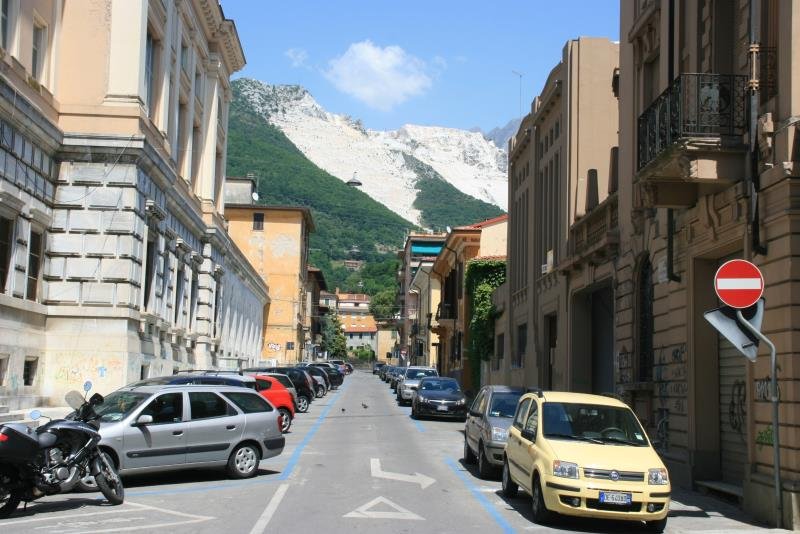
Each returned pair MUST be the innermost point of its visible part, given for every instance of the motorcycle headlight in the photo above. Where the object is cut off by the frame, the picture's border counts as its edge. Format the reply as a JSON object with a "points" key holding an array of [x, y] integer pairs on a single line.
{"points": [[565, 469], [657, 477], [499, 434]]}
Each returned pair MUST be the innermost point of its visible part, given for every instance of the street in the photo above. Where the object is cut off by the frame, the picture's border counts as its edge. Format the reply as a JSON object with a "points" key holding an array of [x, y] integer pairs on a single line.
{"points": [[355, 463]]}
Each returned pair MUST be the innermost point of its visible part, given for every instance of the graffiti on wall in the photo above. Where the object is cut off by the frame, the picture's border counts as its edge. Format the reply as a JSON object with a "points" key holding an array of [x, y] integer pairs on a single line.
{"points": [[274, 347], [737, 406], [763, 387]]}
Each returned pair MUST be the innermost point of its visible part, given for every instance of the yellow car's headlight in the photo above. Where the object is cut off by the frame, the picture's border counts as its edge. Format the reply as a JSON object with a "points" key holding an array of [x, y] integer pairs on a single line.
{"points": [[657, 477], [565, 469]]}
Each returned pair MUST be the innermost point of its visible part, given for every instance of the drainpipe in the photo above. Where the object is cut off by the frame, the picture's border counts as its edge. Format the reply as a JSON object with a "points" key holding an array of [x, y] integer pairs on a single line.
{"points": [[672, 276], [753, 181]]}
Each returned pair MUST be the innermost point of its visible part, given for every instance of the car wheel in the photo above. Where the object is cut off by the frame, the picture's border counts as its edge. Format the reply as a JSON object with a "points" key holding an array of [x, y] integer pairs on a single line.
{"points": [[286, 419], [485, 469], [656, 526], [320, 391], [243, 462], [469, 456], [541, 515], [302, 404], [510, 487]]}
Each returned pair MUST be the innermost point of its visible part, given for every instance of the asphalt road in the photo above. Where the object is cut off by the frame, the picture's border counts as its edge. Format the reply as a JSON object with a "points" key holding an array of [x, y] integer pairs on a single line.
{"points": [[346, 468]]}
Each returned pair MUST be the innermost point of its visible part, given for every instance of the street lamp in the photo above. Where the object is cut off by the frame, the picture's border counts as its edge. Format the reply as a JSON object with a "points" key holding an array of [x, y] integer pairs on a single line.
{"points": [[354, 181]]}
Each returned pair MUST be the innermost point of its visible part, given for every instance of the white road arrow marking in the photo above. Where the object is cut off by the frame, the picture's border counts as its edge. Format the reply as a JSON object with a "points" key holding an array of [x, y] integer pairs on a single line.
{"points": [[416, 478], [364, 512]]}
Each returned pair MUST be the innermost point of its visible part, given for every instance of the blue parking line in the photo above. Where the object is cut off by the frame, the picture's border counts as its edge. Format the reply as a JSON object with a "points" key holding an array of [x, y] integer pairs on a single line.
{"points": [[287, 471], [262, 480], [480, 497], [418, 425]]}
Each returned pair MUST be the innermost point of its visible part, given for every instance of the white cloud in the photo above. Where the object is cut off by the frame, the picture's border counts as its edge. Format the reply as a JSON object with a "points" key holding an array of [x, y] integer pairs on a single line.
{"points": [[297, 56], [382, 78]]}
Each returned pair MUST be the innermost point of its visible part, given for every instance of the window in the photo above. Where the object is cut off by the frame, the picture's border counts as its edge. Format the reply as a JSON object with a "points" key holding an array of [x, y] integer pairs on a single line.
{"points": [[29, 371], [179, 292], [522, 409], [144, 371], [198, 85], [478, 400], [149, 72], [5, 23], [249, 403], [263, 385], [532, 422], [557, 128], [645, 320], [522, 344], [206, 405], [184, 58], [34, 264], [6, 240], [193, 299], [258, 221], [165, 409], [149, 271], [39, 51], [3, 368]]}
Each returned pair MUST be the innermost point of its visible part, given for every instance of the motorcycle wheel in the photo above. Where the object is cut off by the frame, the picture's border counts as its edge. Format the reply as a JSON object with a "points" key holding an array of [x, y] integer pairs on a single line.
{"points": [[9, 499], [108, 481]]}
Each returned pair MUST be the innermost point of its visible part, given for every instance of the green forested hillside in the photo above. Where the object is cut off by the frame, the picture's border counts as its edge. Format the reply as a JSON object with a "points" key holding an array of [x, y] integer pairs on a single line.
{"points": [[343, 216]]}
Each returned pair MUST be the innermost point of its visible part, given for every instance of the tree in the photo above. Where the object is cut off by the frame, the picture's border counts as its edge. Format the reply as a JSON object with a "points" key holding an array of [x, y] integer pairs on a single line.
{"points": [[333, 340], [382, 305]]}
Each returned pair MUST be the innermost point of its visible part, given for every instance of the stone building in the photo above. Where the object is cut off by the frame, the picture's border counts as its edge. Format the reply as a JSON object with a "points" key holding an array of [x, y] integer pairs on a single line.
{"points": [[699, 183], [115, 263], [424, 341], [561, 164]]}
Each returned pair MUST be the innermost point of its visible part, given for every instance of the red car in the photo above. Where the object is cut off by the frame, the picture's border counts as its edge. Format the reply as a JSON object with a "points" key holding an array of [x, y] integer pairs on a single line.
{"points": [[272, 390]]}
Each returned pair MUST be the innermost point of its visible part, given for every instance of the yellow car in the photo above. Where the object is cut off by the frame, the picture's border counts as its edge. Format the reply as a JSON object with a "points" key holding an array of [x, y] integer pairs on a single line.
{"points": [[584, 455]]}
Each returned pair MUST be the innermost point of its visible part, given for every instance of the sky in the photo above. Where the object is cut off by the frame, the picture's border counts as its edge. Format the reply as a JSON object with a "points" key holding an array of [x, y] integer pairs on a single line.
{"points": [[431, 62]]}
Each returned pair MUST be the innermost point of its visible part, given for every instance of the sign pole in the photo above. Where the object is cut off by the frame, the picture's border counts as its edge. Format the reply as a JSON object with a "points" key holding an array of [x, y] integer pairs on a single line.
{"points": [[776, 446]]}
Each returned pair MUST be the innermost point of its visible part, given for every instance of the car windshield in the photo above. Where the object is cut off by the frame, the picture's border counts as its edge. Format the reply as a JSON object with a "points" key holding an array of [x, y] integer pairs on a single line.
{"points": [[504, 404], [596, 422], [430, 384], [117, 405], [416, 374], [284, 380]]}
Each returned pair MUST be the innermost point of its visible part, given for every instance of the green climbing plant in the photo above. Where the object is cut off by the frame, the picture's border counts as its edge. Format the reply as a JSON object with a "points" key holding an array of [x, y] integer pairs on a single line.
{"points": [[480, 280]]}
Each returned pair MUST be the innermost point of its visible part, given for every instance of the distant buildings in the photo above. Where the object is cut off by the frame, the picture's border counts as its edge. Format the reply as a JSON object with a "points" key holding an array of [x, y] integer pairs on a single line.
{"points": [[115, 263], [358, 324], [275, 240]]}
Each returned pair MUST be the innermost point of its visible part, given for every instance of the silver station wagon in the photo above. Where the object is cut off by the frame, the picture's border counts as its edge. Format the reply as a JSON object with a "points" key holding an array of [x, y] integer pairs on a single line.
{"points": [[164, 427]]}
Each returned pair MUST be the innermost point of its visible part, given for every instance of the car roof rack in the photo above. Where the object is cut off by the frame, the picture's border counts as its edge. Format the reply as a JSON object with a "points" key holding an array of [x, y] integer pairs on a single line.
{"points": [[538, 391]]}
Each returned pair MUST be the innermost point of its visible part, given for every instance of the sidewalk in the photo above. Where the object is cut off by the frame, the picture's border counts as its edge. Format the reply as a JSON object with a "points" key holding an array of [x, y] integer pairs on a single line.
{"points": [[691, 511]]}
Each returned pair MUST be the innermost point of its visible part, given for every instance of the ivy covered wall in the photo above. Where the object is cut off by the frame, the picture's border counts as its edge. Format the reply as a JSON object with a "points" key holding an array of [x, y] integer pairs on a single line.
{"points": [[480, 280]]}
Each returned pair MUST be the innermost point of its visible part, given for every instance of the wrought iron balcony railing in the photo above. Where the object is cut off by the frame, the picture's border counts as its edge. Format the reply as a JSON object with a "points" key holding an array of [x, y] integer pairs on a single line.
{"points": [[694, 105], [445, 311]]}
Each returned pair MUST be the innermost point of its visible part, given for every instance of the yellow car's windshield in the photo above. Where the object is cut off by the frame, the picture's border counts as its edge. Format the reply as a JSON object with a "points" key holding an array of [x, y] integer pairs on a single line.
{"points": [[592, 422]]}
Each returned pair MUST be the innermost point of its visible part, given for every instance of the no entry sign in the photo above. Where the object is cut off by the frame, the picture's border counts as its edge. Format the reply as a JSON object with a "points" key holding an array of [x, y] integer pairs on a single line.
{"points": [[739, 283]]}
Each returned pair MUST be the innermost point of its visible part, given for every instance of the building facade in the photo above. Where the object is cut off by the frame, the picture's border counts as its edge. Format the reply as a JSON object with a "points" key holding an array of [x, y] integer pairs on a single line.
{"points": [[115, 263], [359, 326], [275, 240], [312, 326], [708, 172], [425, 342], [419, 250]]}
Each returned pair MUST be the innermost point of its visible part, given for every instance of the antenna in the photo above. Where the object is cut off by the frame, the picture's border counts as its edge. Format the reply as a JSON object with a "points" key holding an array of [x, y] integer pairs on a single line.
{"points": [[520, 90]]}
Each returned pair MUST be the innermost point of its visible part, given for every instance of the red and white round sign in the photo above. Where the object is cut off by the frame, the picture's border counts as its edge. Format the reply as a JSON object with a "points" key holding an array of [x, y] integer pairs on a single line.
{"points": [[739, 283]]}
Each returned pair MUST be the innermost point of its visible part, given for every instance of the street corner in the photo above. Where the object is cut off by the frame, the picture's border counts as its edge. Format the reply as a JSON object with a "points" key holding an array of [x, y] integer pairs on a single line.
{"points": [[77, 515]]}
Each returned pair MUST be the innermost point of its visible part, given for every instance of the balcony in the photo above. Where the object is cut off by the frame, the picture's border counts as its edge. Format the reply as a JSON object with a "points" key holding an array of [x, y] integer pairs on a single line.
{"points": [[594, 238], [690, 140], [445, 318]]}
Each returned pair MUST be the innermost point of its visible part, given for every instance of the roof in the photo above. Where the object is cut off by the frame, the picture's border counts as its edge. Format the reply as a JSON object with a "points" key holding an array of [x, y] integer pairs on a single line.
{"points": [[357, 323], [317, 273], [360, 297], [487, 222], [502, 257], [586, 398], [306, 211]]}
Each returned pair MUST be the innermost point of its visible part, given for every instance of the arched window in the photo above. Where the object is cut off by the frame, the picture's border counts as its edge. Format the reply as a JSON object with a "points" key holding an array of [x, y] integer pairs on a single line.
{"points": [[644, 317]]}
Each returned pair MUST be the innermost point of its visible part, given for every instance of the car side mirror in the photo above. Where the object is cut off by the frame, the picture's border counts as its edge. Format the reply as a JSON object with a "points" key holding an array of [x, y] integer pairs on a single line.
{"points": [[530, 435], [144, 420], [96, 399], [475, 413]]}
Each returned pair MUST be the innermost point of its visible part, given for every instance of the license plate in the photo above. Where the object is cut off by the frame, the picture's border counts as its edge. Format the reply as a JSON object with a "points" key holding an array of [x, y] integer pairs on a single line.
{"points": [[441, 408], [609, 497]]}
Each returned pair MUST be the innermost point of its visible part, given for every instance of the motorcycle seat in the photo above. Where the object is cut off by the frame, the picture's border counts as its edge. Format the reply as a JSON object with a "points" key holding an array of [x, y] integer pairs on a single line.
{"points": [[46, 439]]}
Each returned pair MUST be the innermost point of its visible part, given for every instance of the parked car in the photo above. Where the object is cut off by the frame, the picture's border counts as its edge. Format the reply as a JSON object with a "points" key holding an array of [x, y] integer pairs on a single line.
{"points": [[286, 382], [340, 365], [221, 378], [213, 426], [349, 367], [584, 455], [487, 425], [383, 371], [409, 381], [436, 396], [323, 383], [271, 389], [376, 367], [302, 381], [336, 377], [387, 373], [394, 378]]}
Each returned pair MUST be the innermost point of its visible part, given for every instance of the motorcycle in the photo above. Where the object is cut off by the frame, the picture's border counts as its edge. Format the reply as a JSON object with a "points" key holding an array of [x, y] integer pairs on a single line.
{"points": [[56, 456]]}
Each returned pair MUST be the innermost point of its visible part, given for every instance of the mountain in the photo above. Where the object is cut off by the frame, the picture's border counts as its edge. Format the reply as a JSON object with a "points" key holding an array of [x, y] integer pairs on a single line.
{"points": [[343, 216], [431, 176], [500, 136]]}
